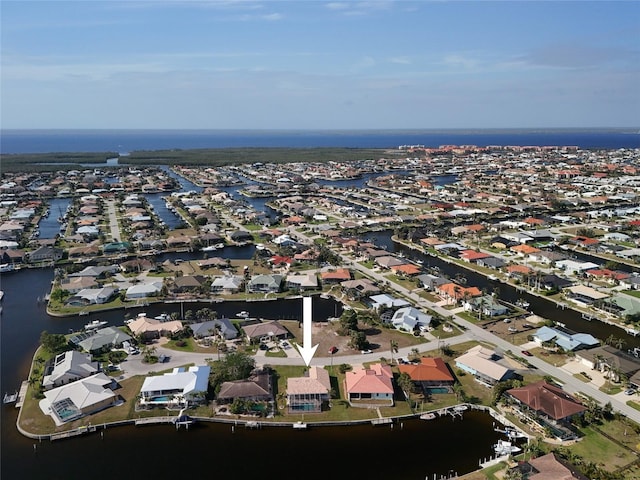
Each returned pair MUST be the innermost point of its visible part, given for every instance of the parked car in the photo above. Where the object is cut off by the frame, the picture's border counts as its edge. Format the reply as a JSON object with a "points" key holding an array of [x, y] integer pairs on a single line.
{"points": [[333, 350], [527, 353], [630, 391], [366, 351]]}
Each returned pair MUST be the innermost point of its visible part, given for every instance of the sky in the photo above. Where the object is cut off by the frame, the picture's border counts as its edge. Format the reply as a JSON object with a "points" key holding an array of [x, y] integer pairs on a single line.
{"points": [[307, 64]]}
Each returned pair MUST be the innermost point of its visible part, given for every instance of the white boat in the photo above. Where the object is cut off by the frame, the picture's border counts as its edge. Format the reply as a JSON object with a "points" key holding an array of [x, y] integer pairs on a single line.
{"points": [[522, 303], [492, 277], [505, 448], [428, 416], [460, 408], [300, 425], [210, 248], [95, 324], [6, 267], [243, 314], [259, 246], [219, 245], [1, 295]]}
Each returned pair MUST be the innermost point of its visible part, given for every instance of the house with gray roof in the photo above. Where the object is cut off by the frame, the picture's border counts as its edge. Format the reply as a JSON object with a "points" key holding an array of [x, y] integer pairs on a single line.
{"points": [[410, 319], [227, 284], [265, 283], [102, 339], [569, 342], [385, 300], [68, 367], [210, 327]]}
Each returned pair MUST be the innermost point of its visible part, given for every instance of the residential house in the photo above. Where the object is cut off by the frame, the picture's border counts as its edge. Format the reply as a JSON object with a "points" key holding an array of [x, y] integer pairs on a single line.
{"points": [[365, 386], [310, 393], [75, 400], [482, 363], [409, 319], [143, 290], [153, 328], [432, 282], [92, 296], [256, 388], [265, 283], [386, 301], [569, 342], [221, 326], [265, 332], [547, 467], [180, 387], [429, 373], [68, 367], [302, 281], [546, 405], [227, 284], [100, 340], [607, 358], [188, 283], [75, 284], [359, 288], [583, 295], [45, 254], [454, 293], [333, 276], [488, 305]]}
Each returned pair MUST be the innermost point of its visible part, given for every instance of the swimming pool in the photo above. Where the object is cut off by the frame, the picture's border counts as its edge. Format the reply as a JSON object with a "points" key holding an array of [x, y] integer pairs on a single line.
{"points": [[436, 390]]}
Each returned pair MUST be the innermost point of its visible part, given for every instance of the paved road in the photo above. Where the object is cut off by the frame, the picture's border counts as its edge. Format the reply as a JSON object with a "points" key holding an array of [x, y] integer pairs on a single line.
{"points": [[113, 221], [134, 365]]}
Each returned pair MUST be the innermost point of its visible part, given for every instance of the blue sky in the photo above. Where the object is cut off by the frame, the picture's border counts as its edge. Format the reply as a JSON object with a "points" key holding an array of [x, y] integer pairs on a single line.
{"points": [[309, 64]]}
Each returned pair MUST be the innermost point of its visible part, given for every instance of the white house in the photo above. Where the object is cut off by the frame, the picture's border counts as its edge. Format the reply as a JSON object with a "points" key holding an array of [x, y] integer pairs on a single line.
{"points": [[410, 319], [177, 388], [143, 290], [68, 367]]}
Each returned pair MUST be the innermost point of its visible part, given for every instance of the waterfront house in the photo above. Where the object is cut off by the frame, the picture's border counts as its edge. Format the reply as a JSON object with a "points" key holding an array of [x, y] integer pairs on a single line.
{"points": [[546, 467], [310, 393], [68, 367], [75, 284], [257, 388], [409, 319], [115, 247], [220, 326], [575, 267], [265, 283], [584, 296], [372, 385], [100, 340], [143, 290], [187, 283], [302, 281], [487, 305], [429, 373], [482, 363], [92, 296], [178, 388], [264, 332], [359, 288], [432, 282], [454, 293], [45, 254], [77, 399], [546, 405], [96, 272], [227, 284], [146, 327]]}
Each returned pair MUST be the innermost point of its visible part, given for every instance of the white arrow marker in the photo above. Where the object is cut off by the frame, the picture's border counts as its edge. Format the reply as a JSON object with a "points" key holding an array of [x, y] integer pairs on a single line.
{"points": [[306, 350]]}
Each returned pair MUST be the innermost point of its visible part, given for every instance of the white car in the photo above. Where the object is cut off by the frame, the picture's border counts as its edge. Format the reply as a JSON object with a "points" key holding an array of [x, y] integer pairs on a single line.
{"points": [[365, 352]]}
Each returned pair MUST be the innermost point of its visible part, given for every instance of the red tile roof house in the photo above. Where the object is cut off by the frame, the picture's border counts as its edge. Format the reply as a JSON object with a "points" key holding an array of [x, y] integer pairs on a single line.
{"points": [[430, 372], [369, 386], [335, 276], [547, 405], [472, 256]]}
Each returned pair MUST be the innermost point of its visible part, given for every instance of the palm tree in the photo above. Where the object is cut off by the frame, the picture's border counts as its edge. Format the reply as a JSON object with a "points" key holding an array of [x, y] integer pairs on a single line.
{"points": [[394, 348]]}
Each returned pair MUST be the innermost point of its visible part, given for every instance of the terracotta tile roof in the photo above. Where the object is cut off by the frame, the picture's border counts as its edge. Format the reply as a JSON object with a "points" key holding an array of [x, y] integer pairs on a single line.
{"points": [[547, 399], [430, 369]]}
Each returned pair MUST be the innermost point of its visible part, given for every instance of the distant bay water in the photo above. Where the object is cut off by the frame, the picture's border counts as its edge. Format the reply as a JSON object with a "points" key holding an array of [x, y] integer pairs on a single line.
{"points": [[122, 141]]}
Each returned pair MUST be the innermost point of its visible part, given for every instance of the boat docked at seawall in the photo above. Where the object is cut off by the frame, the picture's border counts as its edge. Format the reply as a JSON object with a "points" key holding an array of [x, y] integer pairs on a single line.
{"points": [[1, 295], [7, 267], [428, 416], [95, 324], [505, 448], [243, 314]]}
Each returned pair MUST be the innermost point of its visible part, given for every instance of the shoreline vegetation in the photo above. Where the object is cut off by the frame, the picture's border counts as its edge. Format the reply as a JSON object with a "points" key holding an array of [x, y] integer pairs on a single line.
{"points": [[192, 157]]}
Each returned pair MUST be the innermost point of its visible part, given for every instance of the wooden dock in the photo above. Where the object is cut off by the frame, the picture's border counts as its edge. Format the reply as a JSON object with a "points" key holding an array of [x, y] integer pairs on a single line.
{"points": [[154, 420]]}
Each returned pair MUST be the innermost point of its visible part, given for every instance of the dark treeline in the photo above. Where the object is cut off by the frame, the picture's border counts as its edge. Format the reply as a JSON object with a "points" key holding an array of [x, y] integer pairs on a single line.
{"points": [[212, 157]]}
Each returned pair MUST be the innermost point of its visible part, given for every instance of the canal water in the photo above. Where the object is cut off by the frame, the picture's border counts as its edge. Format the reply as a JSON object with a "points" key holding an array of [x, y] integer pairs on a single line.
{"points": [[538, 305], [437, 447]]}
